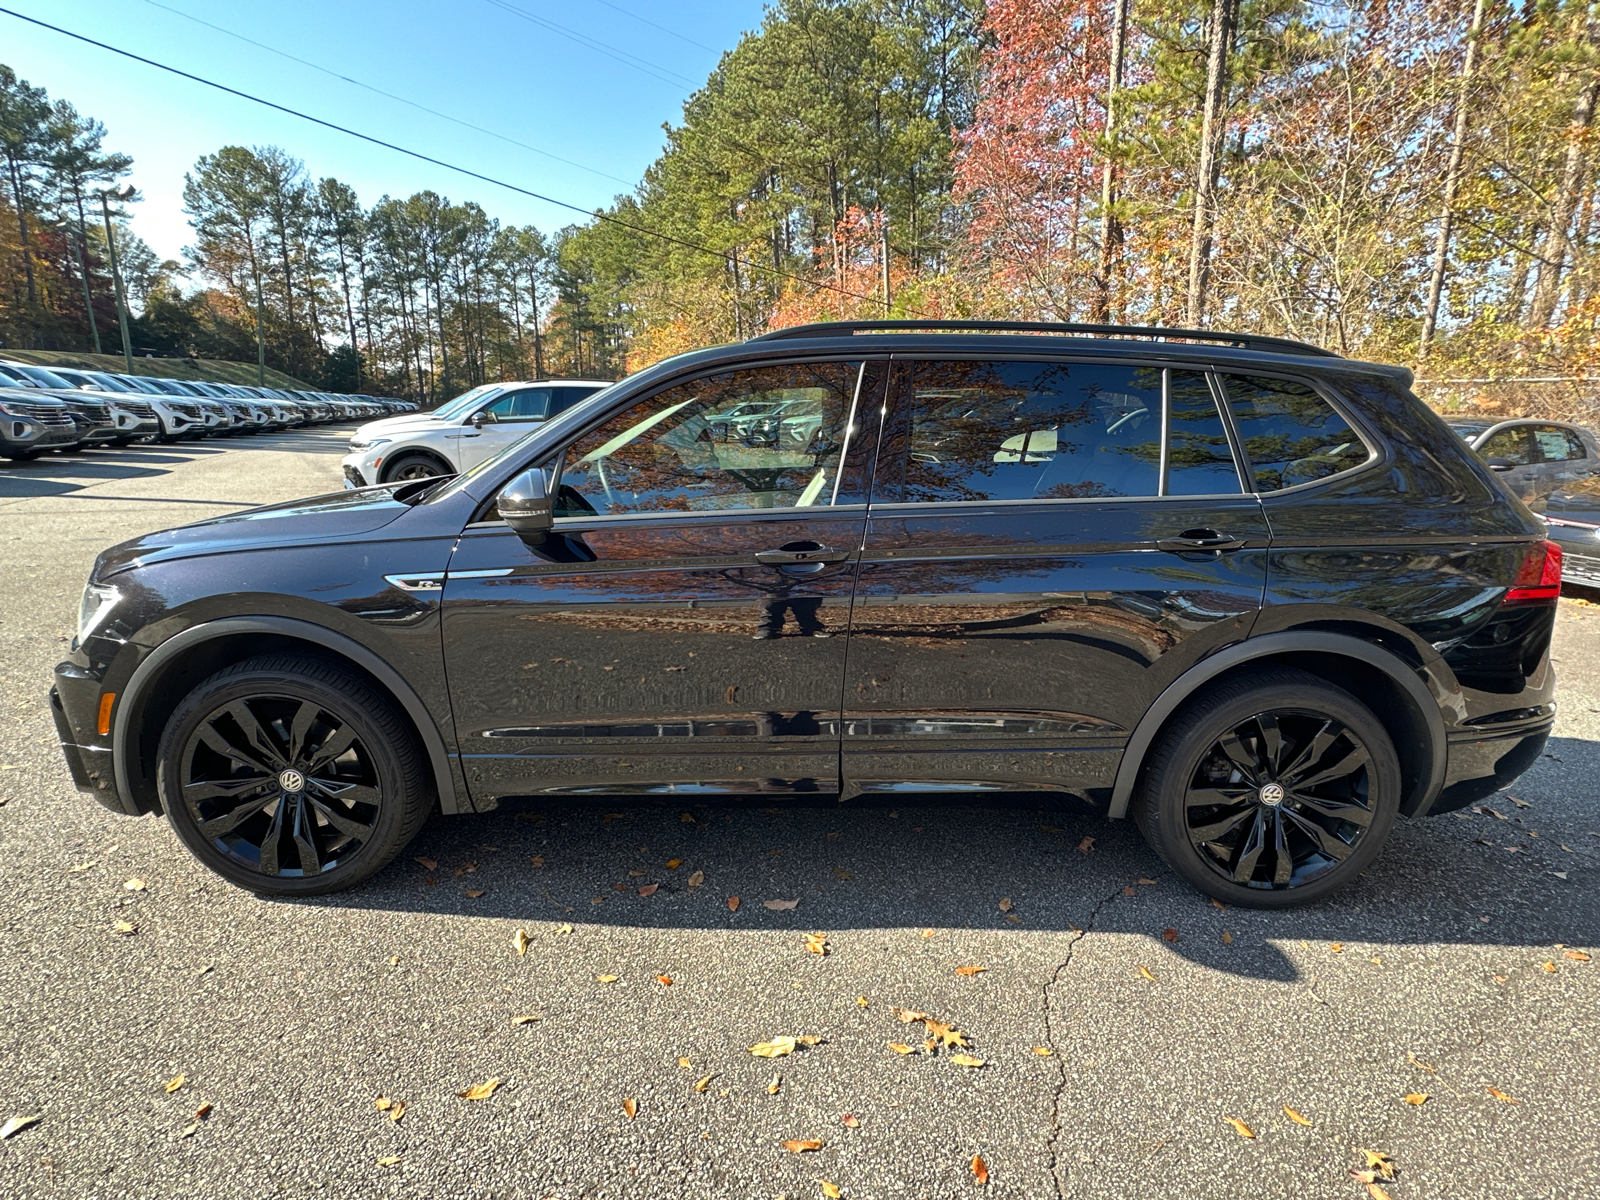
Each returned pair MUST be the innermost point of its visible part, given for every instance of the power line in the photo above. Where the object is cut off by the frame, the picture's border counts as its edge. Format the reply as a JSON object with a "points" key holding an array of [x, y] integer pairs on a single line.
{"points": [[670, 32], [387, 95], [439, 162], [599, 47]]}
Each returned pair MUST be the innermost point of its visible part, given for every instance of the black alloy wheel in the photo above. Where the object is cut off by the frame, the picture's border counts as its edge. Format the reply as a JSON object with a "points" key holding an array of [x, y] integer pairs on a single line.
{"points": [[1270, 789], [291, 777], [410, 467], [1281, 798]]}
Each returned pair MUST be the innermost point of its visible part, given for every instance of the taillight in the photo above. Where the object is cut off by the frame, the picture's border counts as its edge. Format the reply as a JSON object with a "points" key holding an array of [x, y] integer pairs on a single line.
{"points": [[1539, 578]]}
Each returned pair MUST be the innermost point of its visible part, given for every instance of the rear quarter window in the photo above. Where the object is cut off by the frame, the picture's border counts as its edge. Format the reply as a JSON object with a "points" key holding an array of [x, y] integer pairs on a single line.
{"points": [[1290, 433]]}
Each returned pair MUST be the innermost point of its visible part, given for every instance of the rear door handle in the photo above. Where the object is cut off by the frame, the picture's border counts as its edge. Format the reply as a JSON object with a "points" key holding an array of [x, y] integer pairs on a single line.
{"points": [[800, 554], [1200, 541]]}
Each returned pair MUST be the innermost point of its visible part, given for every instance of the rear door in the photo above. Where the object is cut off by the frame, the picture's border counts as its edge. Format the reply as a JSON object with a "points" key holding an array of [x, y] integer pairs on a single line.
{"points": [[1050, 543], [1563, 459], [1513, 447], [683, 628]]}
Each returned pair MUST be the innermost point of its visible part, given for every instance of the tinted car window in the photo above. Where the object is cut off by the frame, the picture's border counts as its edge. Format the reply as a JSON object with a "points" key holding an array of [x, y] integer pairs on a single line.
{"points": [[983, 431], [1557, 444], [1199, 461], [1509, 444], [660, 455], [1291, 434], [564, 398], [528, 404]]}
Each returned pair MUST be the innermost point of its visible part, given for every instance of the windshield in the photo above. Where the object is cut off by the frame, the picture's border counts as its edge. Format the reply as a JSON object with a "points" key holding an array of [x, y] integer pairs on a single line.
{"points": [[106, 383], [48, 378], [454, 408]]}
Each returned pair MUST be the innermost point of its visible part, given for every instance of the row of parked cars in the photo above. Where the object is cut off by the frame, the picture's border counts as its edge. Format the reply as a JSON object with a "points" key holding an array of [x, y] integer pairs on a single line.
{"points": [[66, 409]]}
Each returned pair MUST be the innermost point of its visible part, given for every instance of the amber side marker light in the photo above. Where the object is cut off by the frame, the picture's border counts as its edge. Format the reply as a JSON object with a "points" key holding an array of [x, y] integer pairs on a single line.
{"points": [[1539, 578], [106, 701]]}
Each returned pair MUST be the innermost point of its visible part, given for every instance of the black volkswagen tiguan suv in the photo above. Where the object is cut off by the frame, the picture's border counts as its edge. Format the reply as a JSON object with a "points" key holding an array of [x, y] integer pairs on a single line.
{"points": [[1248, 592]]}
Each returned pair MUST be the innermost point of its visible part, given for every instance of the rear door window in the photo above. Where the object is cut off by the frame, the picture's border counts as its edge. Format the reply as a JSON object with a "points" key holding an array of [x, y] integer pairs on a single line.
{"points": [[1557, 444], [1290, 434]]}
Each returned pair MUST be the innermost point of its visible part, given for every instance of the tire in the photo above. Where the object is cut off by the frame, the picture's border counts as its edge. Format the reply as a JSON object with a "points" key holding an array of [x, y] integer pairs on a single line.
{"points": [[356, 811], [1192, 786], [414, 466], [23, 455]]}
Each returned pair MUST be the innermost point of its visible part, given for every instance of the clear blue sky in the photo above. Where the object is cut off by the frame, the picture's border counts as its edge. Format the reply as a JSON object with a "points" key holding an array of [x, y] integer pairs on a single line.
{"points": [[477, 60]]}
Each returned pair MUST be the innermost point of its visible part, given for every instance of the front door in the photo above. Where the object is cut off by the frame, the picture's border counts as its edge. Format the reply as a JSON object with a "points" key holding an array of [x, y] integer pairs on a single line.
{"points": [[683, 628], [506, 419], [1050, 544]]}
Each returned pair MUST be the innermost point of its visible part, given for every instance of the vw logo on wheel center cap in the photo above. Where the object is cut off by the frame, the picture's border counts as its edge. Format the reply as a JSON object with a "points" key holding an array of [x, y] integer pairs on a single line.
{"points": [[1271, 793], [291, 780]]}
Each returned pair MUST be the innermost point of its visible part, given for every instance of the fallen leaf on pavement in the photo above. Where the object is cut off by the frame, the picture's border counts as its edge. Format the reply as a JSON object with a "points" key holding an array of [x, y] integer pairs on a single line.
{"points": [[125, 928], [945, 1035], [480, 1091], [901, 1048], [908, 1015], [810, 1039], [966, 1060], [1005, 904], [1145, 971], [524, 1020], [1086, 845], [772, 1087], [520, 941], [1519, 803], [1548, 968], [1297, 1118], [631, 1107], [1379, 1166], [1240, 1127], [383, 1104], [779, 905], [733, 904], [1169, 934], [799, 1146], [927, 933], [177, 1082], [1418, 1098], [134, 885], [686, 818], [980, 1171], [817, 943], [429, 863], [704, 1082], [696, 880], [1128, 891], [841, 873], [1417, 1062], [1577, 956], [850, 1120], [1043, 1051], [862, 1002], [397, 1110], [1219, 904], [474, 893], [1336, 947], [389, 1160], [1501, 1096], [971, 970], [776, 1048], [1143, 880], [649, 889], [201, 1113], [1227, 938], [664, 980], [606, 978], [537, 860], [16, 1125], [674, 863], [830, 1190]]}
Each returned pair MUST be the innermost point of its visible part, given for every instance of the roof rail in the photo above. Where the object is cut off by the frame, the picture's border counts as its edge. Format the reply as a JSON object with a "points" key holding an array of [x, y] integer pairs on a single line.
{"points": [[1247, 341]]}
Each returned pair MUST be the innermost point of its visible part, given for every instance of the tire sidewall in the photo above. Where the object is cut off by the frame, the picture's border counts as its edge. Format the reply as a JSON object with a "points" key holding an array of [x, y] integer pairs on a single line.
{"points": [[1164, 816], [212, 695]]}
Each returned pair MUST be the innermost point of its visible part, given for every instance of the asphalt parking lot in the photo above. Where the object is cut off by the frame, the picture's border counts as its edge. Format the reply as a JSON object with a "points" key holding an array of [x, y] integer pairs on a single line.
{"points": [[1121, 1018]]}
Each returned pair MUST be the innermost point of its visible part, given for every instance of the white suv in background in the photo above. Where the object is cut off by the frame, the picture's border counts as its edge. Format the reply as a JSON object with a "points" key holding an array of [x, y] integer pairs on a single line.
{"points": [[460, 434]]}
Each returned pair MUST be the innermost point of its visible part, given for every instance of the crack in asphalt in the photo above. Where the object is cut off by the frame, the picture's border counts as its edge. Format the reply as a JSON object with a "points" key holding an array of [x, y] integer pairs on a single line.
{"points": [[1050, 1035]]}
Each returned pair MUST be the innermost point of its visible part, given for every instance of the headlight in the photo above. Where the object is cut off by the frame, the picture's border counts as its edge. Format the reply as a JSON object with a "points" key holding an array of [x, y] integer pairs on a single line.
{"points": [[360, 444], [96, 605]]}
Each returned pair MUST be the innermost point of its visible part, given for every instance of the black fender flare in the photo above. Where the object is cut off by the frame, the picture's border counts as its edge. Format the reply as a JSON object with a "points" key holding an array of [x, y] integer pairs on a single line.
{"points": [[1267, 646], [132, 693]]}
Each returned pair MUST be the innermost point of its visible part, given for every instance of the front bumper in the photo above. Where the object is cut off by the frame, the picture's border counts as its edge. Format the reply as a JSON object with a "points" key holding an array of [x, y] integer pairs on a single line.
{"points": [[360, 469], [75, 704]]}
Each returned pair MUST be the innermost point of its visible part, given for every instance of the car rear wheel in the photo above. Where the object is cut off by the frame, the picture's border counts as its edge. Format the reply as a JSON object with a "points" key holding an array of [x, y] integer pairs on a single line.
{"points": [[409, 467], [291, 777], [1270, 790]]}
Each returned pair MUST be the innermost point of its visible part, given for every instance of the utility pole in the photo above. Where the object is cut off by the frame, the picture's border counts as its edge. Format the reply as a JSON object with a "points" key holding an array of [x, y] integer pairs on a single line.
{"points": [[116, 272], [1452, 181]]}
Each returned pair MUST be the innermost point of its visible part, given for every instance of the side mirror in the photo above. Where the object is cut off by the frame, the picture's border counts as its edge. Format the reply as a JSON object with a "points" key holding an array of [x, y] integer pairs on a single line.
{"points": [[1500, 464], [525, 505], [480, 419]]}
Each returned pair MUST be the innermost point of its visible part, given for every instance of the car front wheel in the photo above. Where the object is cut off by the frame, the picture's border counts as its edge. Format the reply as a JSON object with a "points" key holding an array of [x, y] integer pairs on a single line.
{"points": [[409, 467], [1271, 789], [290, 776]]}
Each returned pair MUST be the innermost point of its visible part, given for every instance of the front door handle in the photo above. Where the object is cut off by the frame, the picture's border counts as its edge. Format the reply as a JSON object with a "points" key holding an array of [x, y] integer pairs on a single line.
{"points": [[800, 554], [1199, 541]]}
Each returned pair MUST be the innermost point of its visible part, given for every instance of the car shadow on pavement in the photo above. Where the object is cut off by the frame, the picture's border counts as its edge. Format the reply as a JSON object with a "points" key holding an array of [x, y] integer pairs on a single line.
{"points": [[1017, 864]]}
